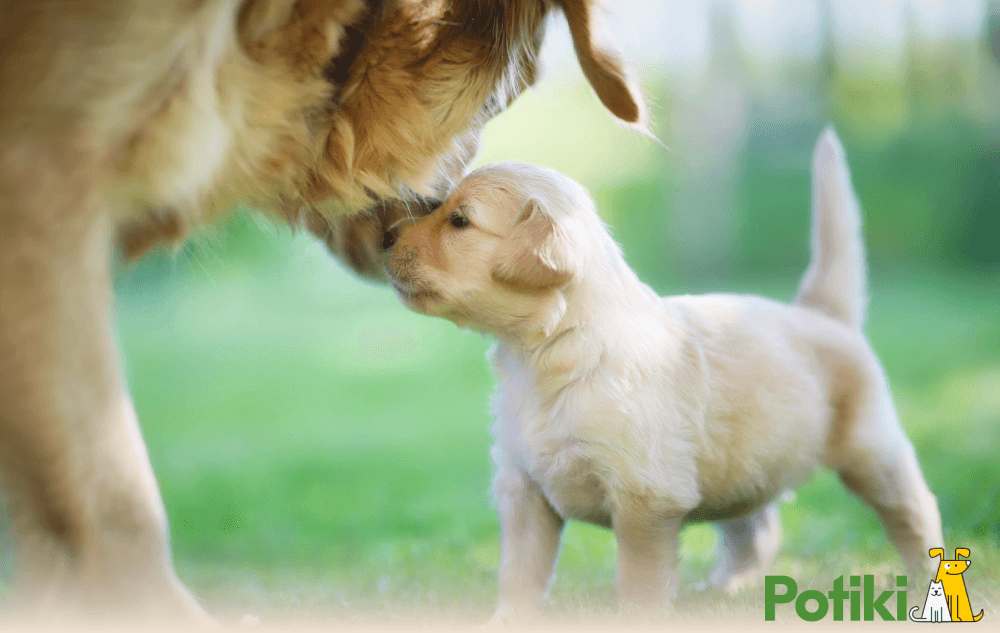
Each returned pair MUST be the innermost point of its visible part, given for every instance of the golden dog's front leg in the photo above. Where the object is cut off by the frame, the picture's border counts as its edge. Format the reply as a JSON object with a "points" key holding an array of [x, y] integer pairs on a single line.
{"points": [[90, 529], [647, 559], [530, 531]]}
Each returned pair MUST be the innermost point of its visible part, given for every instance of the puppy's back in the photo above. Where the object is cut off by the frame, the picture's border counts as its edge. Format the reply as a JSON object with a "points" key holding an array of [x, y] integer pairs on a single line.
{"points": [[772, 371]]}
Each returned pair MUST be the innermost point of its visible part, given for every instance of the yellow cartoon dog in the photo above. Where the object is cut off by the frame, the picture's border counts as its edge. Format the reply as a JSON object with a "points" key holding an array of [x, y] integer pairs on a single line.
{"points": [[950, 575]]}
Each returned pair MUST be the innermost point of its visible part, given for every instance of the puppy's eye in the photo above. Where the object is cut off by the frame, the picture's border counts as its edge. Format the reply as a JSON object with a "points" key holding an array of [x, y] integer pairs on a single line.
{"points": [[458, 220]]}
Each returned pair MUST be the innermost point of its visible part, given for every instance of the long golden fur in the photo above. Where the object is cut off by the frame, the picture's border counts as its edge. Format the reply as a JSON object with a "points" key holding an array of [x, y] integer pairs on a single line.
{"points": [[128, 123]]}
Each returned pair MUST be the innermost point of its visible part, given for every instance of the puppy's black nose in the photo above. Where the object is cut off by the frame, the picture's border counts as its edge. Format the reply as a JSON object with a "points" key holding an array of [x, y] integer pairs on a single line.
{"points": [[389, 238]]}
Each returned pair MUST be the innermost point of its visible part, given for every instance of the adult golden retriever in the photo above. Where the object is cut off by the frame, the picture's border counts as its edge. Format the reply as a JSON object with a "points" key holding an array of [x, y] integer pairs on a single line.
{"points": [[136, 120]]}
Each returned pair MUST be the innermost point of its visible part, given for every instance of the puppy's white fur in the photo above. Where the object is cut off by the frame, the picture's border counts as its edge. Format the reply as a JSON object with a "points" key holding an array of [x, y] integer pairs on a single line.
{"points": [[621, 408]]}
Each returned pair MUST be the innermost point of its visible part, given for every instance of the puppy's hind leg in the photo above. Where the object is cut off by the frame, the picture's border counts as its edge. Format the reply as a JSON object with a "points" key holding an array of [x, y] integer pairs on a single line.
{"points": [[747, 548], [876, 462], [647, 562]]}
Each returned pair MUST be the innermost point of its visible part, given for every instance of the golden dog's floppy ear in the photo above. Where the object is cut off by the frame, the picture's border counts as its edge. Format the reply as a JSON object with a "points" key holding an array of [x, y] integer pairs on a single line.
{"points": [[536, 254], [961, 551], [257, 18], [937, 552], [301, 34], [604, 69]]}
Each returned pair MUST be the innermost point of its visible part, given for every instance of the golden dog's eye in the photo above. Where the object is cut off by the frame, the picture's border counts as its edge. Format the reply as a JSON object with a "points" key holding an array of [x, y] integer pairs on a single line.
{"points": [[458, 220]]}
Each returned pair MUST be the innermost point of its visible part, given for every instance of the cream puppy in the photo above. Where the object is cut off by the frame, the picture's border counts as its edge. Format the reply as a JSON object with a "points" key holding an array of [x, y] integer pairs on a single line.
{"points": [[640, 413]]}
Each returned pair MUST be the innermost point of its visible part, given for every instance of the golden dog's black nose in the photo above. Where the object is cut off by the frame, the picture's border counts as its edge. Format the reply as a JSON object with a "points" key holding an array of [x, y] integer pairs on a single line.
{"points": [[389, 238]]}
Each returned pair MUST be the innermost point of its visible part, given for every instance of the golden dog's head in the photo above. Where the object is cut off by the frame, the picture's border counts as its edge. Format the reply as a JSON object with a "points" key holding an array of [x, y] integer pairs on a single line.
{"points": [[414, 82], [346, 106], [499, 253], [414, 92]]}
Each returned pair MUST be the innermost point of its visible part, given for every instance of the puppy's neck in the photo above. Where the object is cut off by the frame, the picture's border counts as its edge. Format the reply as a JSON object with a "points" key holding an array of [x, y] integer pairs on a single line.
{"points": [[583, 323]]}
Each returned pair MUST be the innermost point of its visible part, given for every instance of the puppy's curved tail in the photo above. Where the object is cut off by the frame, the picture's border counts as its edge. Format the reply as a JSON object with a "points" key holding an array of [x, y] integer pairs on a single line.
{"points": [[835, 282]]}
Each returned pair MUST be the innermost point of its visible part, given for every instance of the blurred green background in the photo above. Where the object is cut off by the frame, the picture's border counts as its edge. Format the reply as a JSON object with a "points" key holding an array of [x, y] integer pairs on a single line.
{"points": [[323, 452]]}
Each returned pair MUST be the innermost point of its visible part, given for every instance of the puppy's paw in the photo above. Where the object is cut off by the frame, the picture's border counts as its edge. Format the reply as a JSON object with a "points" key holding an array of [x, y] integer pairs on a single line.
{"points": [[733, 576], [249, 621], [509, 617], [735, 582]]}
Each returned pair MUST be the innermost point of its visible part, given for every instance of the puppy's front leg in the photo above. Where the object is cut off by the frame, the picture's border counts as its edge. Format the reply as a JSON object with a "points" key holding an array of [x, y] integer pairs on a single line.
{"points": [[530, 531], [647, 558]]}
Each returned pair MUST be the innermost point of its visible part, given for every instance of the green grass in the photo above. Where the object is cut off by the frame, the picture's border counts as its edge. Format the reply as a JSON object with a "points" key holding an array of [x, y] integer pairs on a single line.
{"points": [[323, 452]]}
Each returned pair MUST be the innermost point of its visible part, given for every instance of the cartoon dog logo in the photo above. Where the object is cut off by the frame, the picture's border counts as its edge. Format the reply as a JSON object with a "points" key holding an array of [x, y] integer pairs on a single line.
{"points": [[947, 598]]}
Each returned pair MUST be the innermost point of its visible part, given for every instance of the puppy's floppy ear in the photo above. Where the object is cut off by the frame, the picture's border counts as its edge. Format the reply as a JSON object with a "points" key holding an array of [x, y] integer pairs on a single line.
{"points": [[604, 69], [537, 254], [937, 552]]}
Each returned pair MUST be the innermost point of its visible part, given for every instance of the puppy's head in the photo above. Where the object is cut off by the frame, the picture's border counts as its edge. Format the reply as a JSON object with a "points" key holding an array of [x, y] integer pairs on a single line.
{"points": [[499, 252]]}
